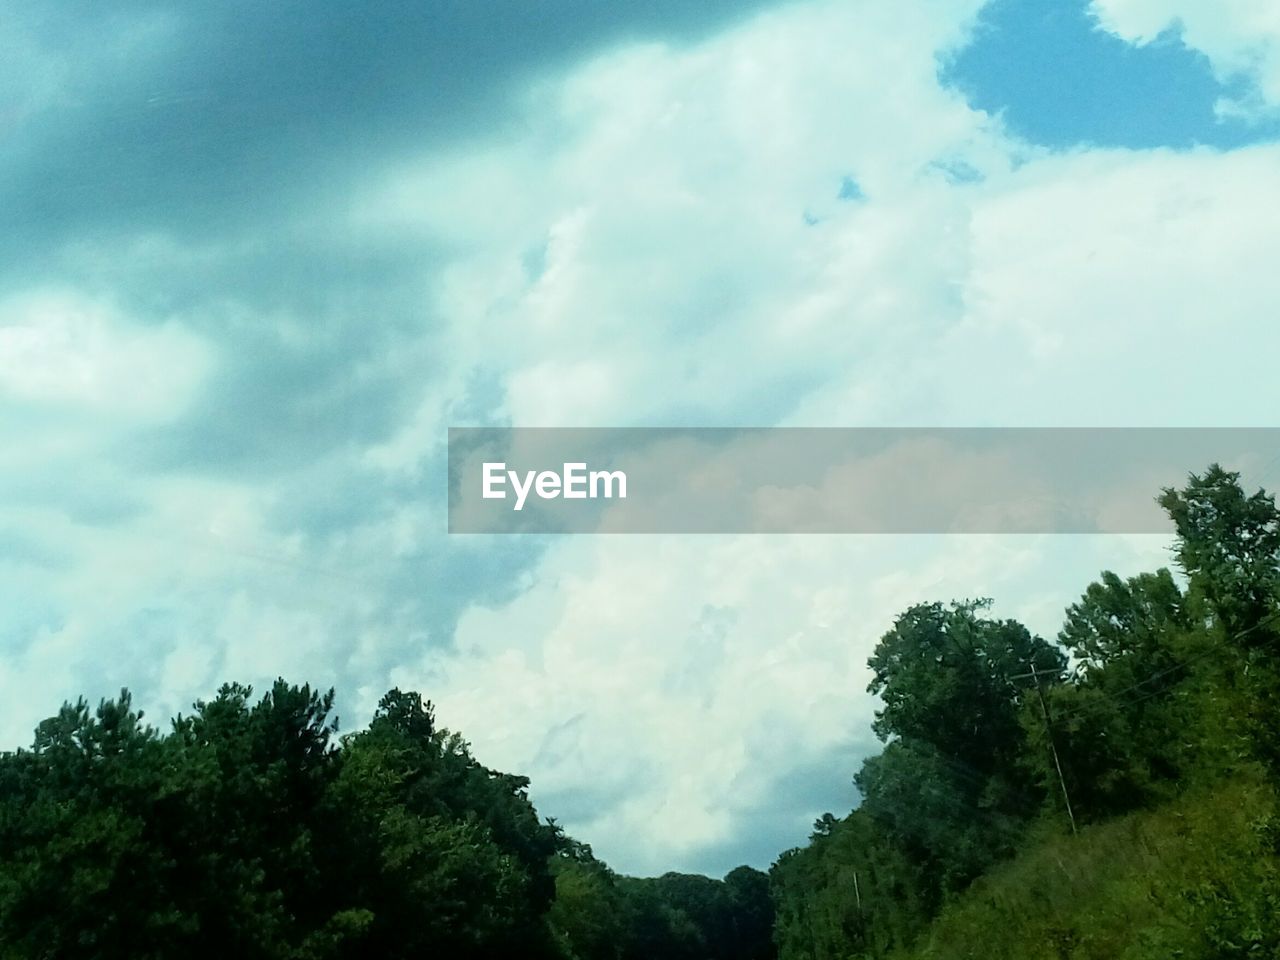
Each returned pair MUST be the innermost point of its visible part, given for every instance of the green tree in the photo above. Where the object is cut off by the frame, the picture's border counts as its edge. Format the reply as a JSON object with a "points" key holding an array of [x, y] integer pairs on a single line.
{"points": [[956, 681], [751, 911], [1132, 642], [250, 831], [1229, 546], [448, 854], [587, 915], [850, 893]]}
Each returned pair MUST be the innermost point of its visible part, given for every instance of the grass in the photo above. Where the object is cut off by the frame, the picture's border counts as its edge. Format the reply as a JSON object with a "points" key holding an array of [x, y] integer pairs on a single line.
{"points": [[1195, 879]]}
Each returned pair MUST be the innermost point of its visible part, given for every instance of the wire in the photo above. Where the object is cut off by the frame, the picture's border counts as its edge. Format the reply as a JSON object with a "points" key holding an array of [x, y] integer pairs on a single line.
{"points": [[1181, 665]]}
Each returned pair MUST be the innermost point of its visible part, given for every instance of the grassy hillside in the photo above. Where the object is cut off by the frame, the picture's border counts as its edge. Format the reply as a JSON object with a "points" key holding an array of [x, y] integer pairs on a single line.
{"points": [[1193, 879], [1157, 712]]}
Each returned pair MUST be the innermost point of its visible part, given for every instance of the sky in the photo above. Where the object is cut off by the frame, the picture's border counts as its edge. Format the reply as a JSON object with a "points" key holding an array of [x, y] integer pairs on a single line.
{"points": [[256, 259]]}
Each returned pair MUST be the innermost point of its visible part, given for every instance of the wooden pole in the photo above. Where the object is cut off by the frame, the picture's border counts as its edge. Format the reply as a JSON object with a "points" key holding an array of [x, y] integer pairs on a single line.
{"points": [[1048, 729]]}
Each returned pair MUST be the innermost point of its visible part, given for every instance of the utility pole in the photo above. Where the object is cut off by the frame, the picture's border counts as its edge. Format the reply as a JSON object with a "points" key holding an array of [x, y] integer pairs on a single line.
{"points": [[1048, 729]]}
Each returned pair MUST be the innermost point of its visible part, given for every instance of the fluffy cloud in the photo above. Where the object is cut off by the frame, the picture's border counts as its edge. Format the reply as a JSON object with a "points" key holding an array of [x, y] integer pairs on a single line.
{"points": [[226, 389], [1240, 37], [664, 692], [668, 195], [665, 270], [56, 350]]}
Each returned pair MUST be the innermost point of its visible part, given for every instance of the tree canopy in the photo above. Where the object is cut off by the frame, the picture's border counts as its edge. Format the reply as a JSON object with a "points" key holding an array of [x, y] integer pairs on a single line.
{"points": [[252, 828]]}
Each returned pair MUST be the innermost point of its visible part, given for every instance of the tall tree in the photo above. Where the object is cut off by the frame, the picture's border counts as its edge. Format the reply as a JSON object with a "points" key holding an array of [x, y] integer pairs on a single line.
{"points": [[955, 680], [1132, 642], [1229, 546]]}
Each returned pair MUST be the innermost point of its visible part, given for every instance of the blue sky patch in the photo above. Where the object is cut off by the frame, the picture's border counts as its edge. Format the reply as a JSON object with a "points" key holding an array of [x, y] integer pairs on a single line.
{"points": [[957, 171], [850, 190], [1061, 81]]}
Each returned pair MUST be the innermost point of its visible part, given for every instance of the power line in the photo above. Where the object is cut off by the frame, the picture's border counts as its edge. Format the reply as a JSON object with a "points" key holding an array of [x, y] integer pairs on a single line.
{"points": [[1181, 665], [1116, 696]]}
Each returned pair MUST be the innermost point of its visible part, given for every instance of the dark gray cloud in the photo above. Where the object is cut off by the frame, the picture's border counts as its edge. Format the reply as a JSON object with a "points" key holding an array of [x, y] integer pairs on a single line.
{"points": [[275, 406], [225, 115], [224, 128]]}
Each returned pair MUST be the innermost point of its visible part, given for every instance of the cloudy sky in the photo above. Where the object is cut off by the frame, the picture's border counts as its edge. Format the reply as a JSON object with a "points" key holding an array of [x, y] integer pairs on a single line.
{"points": [[255, 259]]}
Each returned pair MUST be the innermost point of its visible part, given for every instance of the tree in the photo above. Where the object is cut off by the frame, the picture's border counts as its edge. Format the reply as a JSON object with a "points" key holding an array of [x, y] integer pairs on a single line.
{"points": [[1132, 642], [1229, 546], [751, 909], [1126, 627], [250, 831], [452, 856], [850, 893], [587, 915], [955, 680]]}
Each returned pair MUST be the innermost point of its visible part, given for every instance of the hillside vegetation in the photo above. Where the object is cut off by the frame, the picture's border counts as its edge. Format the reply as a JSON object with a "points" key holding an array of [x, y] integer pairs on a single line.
{"points": [[1194, 878], [1109, 795]]}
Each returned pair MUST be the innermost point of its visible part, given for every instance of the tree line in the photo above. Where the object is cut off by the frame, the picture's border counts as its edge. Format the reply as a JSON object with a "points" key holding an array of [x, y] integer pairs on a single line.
{"points": [[251, 828], [997, 740]]}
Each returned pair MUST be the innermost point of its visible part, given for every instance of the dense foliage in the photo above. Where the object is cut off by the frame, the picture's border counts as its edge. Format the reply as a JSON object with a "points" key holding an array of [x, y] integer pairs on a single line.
{"points": [[251, 830], [1110, 795], [1152, 728]]}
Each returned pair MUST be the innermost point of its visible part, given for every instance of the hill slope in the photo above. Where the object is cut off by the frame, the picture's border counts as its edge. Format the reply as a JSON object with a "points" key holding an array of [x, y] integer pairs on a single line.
{"points": [[1196, 878]]}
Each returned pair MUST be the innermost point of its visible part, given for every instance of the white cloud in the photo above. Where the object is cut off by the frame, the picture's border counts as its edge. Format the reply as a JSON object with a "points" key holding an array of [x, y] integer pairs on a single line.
{"points": [[1241, 38], [682, 679], [1109, 288], [1090, 288], [60, 350], [638, 252], [665, 193]]}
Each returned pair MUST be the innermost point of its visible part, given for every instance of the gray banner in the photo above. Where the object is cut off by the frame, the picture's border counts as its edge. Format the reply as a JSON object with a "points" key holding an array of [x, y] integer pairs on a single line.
{"points": [[820, 480]]}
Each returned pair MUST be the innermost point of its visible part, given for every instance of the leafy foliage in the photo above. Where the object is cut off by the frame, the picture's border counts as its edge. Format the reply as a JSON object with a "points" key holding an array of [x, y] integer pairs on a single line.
{"points": [[1164, 732], [251, 830]]}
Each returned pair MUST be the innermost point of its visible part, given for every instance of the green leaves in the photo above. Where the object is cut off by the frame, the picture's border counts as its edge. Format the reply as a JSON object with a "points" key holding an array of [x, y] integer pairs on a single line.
{"points": [[954, 680], [249, 831], [1170, 692], [1229, 545], [1126, 624]]}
